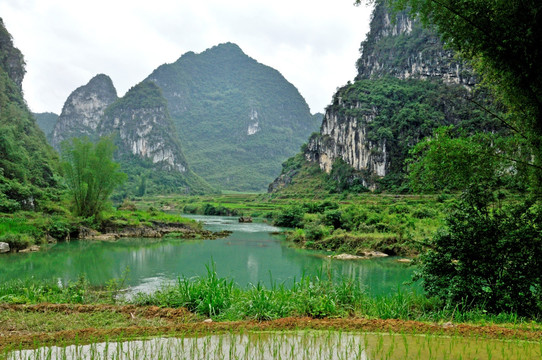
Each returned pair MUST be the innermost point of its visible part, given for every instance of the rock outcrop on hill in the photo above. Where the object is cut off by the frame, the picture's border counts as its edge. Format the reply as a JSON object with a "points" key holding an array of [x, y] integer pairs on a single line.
{"points": [[148, 148], [83, 110], [407, 85]]}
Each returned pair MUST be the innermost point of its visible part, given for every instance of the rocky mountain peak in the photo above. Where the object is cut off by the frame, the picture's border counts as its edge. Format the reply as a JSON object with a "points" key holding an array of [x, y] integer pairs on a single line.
{"points": [[399, 46], [83, 109], [237, 119], [407, 85]]}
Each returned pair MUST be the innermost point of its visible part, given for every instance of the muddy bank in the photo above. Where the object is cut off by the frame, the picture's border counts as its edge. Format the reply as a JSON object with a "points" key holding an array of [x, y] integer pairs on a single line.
{"points": [[115, 232], [156, 229], [182, 322]]}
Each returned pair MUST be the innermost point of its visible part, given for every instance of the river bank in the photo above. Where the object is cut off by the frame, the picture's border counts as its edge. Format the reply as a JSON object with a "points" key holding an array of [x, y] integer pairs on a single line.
{"points": [[24, 232]]}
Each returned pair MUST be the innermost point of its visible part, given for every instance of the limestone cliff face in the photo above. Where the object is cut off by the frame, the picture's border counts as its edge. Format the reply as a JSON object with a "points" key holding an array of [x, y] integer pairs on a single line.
{"points": [[346, 138], [83, 110], [399, 49], [143, 128], [399, 46], [148, 148]]}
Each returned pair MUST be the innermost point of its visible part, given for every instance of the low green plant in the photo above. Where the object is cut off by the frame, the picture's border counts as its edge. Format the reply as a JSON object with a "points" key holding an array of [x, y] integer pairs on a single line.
{"points": [[291, 216]]}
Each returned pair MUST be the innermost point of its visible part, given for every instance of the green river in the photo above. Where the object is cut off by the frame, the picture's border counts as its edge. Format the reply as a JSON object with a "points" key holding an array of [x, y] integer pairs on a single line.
{"points": [[251, 254]]}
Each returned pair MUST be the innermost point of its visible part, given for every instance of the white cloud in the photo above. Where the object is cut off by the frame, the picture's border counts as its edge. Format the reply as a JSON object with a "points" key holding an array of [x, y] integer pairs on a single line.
{"points": [[314, 44]]}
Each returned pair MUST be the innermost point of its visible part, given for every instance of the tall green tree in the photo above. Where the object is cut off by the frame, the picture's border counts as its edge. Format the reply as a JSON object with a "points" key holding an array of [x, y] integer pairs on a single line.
{"points": [[90, 173], [452, 159], [503, 40]]}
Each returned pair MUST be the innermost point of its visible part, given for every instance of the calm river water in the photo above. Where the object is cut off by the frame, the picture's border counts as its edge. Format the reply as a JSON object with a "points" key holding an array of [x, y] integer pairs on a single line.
{"points": [[249, 255]]}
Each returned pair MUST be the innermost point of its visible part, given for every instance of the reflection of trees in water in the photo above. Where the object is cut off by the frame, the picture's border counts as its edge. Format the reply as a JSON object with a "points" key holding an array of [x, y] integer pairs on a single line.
{"points": [[247, 257]]}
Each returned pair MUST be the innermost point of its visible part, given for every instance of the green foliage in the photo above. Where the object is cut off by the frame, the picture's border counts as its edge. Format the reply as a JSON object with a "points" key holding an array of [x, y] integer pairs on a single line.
{"points": [[22, 229], [344, 177], [291, 216], [214, 97], [28, 166], [90, 173], [443, 162], [143, 95], [17, 241], [502, 40], [221, 298], [143, 177], [487, 257], [33, 292]]}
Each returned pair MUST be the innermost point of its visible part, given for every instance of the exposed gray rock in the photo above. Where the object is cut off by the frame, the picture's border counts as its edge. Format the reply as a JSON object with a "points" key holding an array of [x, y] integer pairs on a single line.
{"points": [[148, 148], [83, 110], [346, 139], [399, 46], [144, 127], [31, 248], [364, 255], [4, 247]]}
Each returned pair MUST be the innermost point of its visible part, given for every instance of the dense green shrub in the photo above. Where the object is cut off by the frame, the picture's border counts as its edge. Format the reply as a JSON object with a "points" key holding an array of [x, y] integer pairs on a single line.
{"points": [[315, 231], [333, 218], [17, 241], [290, 216], [488, 257]]}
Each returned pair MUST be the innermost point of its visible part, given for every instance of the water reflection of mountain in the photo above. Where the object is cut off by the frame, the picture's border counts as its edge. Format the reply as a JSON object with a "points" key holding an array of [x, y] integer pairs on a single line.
{"points": [[249, 255]]}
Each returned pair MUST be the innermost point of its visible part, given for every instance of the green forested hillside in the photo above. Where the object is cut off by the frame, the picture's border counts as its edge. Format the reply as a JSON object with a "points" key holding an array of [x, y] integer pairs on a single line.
{"points": [[28, 165], [237, 119]]}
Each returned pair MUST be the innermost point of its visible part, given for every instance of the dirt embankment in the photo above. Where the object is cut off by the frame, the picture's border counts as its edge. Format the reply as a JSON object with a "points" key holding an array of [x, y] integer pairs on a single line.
{"points": [[155, 230], [115, 232], [182, 322]]}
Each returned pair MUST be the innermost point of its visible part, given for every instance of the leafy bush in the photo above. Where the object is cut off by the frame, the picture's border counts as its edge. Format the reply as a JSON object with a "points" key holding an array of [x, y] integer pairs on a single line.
{"points": [[488, 257], [17, 241], [424, 213], [291, 216], [333, 218], [315, 231]]}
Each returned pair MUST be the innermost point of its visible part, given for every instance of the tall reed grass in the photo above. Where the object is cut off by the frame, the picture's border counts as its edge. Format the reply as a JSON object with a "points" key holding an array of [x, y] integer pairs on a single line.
{"points": [[222, 299]]}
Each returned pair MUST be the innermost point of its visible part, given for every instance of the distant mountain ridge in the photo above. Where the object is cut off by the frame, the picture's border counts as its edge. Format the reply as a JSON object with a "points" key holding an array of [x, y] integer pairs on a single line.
{"points": [[46, 121], [237, 119]]}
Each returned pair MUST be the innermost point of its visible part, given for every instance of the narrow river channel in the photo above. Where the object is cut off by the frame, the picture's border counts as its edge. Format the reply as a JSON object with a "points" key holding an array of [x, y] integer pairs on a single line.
{"points": [[251, 254]]}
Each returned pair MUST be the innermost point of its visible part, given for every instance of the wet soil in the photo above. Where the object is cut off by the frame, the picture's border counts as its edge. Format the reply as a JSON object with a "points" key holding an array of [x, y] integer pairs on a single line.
{"points": [[182, 322]]}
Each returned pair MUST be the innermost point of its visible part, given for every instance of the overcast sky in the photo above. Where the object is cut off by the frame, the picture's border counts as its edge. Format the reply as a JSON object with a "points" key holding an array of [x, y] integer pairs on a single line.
{"points": [[313, 43]]}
